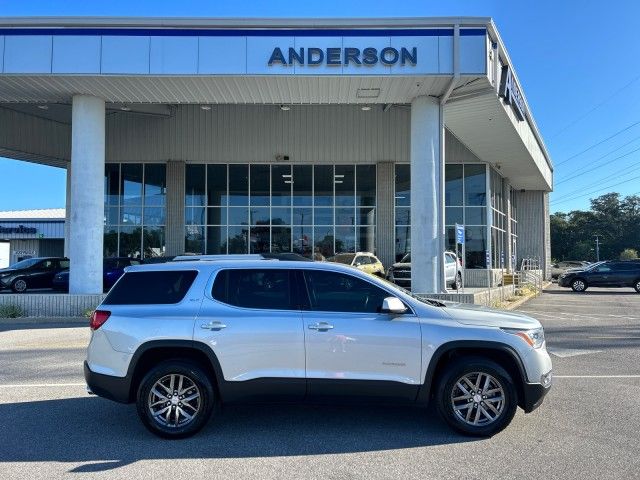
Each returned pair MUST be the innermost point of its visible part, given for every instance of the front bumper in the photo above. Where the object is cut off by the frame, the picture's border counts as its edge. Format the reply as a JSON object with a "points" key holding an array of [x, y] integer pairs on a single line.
{"points": [[563, 281], [113, 388], [534, 394]]}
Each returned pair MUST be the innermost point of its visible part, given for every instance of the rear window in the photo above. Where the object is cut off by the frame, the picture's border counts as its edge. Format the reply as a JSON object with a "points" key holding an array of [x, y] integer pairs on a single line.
{"points": [[255, 288], [145, 288]]}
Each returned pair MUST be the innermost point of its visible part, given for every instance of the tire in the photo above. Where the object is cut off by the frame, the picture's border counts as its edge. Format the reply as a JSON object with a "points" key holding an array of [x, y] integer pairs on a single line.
{"points": [[195, 382], [457, 283], [475, 420], [579, 285], [637, 285], [19, 285]]}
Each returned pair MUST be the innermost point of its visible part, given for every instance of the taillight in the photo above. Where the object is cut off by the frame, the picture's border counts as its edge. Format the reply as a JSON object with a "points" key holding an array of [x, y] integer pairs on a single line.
{"points": [[98, 318]]}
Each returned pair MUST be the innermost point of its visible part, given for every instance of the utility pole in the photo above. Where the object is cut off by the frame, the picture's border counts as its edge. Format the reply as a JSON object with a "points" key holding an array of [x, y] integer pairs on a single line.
{"points": [[597, 247]]}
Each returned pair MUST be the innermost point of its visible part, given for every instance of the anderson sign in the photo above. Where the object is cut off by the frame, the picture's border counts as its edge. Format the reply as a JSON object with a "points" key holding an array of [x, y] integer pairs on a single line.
{"points": [[344, 56]]}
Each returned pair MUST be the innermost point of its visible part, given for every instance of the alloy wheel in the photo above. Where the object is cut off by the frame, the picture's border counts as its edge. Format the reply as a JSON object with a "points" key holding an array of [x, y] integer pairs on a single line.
{"points": [[478, 399], [578, 285], [174, 400], [20, 285]]}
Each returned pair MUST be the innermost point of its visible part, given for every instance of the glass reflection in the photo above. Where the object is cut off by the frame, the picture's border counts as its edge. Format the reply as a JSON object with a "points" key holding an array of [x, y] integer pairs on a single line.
{"points": [[238, 185]]}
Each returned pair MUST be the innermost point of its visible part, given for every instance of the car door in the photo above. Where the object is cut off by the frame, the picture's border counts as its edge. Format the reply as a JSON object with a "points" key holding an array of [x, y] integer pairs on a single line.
{"points": [[601, 276], [42, 274], [351, 348], [251, 319]]}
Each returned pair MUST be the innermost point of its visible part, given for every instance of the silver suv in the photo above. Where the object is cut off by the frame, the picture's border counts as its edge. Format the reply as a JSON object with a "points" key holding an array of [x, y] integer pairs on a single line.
{"points": [[178, 338]]}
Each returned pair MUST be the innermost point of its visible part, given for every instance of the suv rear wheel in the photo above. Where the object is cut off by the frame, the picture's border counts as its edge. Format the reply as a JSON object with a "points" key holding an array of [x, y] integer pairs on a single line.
{"points": [[175, 399], [457, 283], [477, 397], [19, 285], [637, 285]]}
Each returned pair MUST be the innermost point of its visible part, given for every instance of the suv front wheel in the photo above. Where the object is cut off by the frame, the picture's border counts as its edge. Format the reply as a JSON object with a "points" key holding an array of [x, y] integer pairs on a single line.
{"points": [[175, 399], [579, 285], [477, 397]]}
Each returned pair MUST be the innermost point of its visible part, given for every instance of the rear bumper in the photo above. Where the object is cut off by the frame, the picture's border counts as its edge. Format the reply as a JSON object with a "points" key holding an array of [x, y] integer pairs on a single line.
{"points": [[117, 389], [534, 394]]}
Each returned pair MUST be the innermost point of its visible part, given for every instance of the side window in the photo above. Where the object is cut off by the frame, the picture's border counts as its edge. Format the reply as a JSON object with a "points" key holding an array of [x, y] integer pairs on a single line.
{"points": [[254, 288], [64, 263], [449, 259], [47, 264], [154, 287], [603, 268], [337, 292]]}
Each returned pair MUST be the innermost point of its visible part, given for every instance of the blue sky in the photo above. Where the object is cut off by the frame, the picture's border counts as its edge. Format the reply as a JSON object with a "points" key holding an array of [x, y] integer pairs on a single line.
{"points": [[577, 62]]}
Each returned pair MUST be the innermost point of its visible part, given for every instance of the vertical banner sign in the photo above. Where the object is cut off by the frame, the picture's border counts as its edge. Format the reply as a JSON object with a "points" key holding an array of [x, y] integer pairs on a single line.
{"points": [[501, 259], [487, 255], [460, 234], [488, 259]]}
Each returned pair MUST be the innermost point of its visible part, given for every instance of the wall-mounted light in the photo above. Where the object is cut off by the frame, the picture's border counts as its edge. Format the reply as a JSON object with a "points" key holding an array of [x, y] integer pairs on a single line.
{"points": [[125, 108], [285, 108], [206, 108], [365, 108], [43, 107]]}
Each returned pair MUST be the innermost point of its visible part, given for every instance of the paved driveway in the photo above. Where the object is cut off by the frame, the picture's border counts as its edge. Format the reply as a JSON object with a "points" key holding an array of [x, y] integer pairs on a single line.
{"points": [[588, 427]]}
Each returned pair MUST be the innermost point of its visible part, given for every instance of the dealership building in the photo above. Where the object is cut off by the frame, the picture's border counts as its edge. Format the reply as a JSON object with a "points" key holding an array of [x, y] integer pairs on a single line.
{"points": [[315, 136]]}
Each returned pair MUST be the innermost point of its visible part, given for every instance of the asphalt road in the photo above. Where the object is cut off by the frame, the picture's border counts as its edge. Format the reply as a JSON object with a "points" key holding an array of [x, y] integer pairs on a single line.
{"points": [[588, 426]]}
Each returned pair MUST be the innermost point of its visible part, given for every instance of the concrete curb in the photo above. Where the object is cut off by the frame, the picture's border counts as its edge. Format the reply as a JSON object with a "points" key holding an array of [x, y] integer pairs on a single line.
{"points": [[46, 320]]}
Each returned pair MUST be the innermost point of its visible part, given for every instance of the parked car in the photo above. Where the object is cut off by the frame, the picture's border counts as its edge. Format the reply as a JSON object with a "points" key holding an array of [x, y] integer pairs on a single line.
{"points": [[400, 272], [558, 268], [365, 261], [624, 273], [112, 270], [32, 273], [180, 337]]}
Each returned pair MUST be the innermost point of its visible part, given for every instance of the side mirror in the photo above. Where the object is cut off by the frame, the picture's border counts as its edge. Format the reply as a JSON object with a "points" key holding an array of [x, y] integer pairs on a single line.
{"points": [[392, 305]]}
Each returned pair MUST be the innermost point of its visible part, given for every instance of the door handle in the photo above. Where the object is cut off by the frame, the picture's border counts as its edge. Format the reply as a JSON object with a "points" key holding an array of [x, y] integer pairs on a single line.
{"points": [[321, 326], [213, 326]]}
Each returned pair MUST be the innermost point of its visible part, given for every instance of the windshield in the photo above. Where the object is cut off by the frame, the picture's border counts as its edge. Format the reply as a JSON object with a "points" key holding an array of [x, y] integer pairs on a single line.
{"points": [[29, 262], [406, 259], [345, 258], [592, 266]]}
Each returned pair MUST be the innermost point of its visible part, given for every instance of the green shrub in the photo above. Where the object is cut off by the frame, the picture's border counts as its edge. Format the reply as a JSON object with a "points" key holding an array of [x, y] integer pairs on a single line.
{"points": [[88, 312], [8, 310]]}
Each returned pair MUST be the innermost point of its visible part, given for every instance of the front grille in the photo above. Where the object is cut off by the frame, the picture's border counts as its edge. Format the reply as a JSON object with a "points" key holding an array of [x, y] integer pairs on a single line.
{"points": [[402, 274]]}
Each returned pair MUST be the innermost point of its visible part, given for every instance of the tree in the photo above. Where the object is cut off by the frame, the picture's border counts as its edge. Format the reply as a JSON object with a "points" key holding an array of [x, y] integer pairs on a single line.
{"points": [[629, 254], [614, 219]]}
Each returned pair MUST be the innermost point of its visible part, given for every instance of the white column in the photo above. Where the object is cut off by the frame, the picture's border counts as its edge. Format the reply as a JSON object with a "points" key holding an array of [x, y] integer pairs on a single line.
{"points": [[87, 194], [427, 170], [67, 215]]}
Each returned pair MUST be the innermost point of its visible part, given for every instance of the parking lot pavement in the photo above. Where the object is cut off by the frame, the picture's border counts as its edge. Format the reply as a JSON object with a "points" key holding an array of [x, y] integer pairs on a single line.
{"points": [[588, 426]]}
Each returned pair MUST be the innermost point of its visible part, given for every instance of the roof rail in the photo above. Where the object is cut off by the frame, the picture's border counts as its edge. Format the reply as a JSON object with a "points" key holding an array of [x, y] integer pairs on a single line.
{"points": [[244, 257]]}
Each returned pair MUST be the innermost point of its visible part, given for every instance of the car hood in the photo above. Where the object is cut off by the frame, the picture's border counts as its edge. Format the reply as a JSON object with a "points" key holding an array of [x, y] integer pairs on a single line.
{"points": [[575, 270], [484, 316], [7, 270]]}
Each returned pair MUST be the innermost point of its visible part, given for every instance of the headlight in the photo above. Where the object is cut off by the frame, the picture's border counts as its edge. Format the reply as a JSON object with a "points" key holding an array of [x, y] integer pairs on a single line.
{"points": [[534, 337]]}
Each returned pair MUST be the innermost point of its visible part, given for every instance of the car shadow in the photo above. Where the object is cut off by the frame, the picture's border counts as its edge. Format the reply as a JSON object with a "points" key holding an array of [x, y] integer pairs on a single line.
{"points": [[103, 435], [590, 291]]}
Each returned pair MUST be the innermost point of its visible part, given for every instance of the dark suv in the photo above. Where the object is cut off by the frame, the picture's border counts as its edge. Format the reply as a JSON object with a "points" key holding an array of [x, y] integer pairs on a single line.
{"points": [[604, 274], [32, 273]]}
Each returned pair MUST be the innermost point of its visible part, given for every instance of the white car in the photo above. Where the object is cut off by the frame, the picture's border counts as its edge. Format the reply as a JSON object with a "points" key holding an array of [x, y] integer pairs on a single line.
{"points": [[400, 272], [179, 337]]}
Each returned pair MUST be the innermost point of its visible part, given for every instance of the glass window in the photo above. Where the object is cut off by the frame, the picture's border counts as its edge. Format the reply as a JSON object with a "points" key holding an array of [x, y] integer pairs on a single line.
{"points": [[475, 184], [403, 185], [194, 240], [366, 216], [475, 215], [238, 216], [345, 239], [344, 180], [216, 216], [111, 183], [262, 289], [131, 215], [154, 242], [366, 241], [155, 184], [154, 216], [323, 185], [323, 216], [281, 216], [453, 215], [323, 243], [110, 245], [238, 185], [475, 247], [148, 288], [280, 239], [337, 292], [259, 215], [131, 183], [302, 239], [303, 185], [302, 216], [259, 241], [281, 181], [64, 263], [403, 216], [217, 240], [345, 216], [453, 185], [194, 216], [403, 241], [237, 240], [130, 242], [216, 185], [111, 216], [260, 184], [195, 185], [365, 185]]}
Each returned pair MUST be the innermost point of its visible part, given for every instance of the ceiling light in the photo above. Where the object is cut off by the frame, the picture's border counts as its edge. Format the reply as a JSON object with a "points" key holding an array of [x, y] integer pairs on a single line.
{"points": [[43, 107], [124, 108], [205, 107], [285, 108], [365, 108]]}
